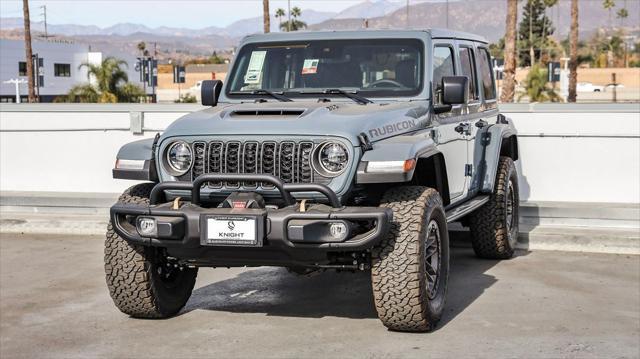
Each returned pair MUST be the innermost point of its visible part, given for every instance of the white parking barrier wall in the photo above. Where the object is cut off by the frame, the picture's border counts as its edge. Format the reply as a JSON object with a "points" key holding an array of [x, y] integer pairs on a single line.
{"points": [[568, 152]]}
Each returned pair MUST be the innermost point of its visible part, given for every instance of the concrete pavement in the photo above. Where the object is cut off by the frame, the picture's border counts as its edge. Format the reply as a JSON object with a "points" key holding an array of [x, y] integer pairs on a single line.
{"points": [[54, 303]]}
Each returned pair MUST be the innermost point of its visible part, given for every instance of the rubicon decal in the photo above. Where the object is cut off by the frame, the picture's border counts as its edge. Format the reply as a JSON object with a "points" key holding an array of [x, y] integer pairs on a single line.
{"points": [[392, 128]]}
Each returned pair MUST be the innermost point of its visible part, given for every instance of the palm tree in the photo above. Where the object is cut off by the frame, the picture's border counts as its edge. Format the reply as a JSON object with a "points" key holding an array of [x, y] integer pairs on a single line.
{"points": [[510, 54], [279, 15], [608, 5], [28, 50], [111, 84], [84, 93], [296, 12], [294, 24], [129, 92], [266, 17], [108, 74], [573, 52], [622, 14], [142, 47], [537, 88]]}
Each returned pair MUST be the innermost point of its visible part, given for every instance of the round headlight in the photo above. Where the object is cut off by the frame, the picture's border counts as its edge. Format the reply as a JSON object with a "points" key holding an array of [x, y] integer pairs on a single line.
{"points": [[179, 157], [333, 158]]}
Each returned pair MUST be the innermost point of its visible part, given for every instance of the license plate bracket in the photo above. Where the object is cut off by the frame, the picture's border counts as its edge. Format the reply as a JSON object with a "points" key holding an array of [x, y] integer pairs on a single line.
{"points": [[232, 230]]}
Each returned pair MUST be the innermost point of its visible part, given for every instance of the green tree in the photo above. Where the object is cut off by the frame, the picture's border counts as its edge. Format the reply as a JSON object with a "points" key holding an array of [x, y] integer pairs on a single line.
{"points": [[295, 23], [622, 14], [608, 5], [296, 12], [111, 84], [279, 15], [216, 59], [129, 92], [186, 98], [108, 74], [84, 93], [142, 47], [537, 87], [533, 31]]}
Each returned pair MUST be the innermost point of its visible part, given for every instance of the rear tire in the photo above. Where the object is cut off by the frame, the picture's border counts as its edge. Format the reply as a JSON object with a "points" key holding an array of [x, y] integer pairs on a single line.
{"points": [[140, 281], [494, 226], [410, 267]]}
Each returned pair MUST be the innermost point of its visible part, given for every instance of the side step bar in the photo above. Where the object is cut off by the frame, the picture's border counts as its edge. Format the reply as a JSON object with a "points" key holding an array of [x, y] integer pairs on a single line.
{"points": [[466, 208]]}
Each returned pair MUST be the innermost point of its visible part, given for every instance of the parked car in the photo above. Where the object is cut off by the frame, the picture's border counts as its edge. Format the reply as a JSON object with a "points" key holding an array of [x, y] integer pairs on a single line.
{"points": [[588, 87], [610, 87], [347, 151], [196, 87]]}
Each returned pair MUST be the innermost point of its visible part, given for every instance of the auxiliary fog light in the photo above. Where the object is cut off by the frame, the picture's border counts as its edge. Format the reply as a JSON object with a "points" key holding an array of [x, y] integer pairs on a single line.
{"points": [[147, 227], [339, 230]]}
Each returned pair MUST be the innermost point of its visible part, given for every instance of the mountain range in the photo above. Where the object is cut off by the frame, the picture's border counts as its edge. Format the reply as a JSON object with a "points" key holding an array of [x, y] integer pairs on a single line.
{"points": [[483, 17]]}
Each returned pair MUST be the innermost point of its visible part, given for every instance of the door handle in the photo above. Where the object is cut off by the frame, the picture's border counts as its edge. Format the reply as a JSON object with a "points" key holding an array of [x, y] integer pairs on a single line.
{"points": [[462, 128]]}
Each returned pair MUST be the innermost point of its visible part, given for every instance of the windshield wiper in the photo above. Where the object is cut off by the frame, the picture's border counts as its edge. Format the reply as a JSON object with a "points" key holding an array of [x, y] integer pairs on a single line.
{"points": [[336, 91], [277, 95]]}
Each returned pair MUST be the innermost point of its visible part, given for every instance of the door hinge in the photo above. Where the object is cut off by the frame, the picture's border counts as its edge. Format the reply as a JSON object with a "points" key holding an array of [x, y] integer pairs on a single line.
{"points": [[468, 170]]}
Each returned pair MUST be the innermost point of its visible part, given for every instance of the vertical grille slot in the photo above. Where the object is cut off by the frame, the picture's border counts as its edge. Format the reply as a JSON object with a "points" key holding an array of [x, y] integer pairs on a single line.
{"points": [[250, 157], [215, 162], [199, 160], [287, 155], [232, 161], [305, 171], [268, 163]]}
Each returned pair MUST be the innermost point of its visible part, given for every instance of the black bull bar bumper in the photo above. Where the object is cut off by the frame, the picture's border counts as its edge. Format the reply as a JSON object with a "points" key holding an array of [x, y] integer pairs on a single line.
{"points": [[289, 229]]}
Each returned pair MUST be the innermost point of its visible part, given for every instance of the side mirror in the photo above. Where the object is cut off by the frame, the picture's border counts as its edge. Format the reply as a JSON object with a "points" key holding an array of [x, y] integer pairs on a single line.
{"points": [[454, 90], [210, 91]]}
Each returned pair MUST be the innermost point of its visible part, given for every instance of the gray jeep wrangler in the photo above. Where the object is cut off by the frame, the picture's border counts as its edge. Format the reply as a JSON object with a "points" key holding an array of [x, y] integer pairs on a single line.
{"points": [[323, 150]]}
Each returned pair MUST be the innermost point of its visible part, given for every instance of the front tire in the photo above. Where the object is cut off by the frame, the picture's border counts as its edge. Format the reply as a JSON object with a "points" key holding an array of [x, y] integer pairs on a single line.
{"points": [[494, 226], [141, 281], [410, 267]]}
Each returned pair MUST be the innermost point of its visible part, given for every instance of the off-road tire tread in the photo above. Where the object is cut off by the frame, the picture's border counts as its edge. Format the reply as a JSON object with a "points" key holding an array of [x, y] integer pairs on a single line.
{"points": [[128, 269], [396, 276], [489, 235]]}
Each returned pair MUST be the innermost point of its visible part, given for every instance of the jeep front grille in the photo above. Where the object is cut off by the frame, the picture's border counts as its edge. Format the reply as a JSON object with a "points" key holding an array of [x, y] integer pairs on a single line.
{"points": [[288, 160]]}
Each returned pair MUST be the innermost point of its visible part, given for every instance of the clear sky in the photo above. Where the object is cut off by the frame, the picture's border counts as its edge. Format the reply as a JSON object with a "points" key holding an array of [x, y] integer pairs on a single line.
{"points": [[153, 13]]}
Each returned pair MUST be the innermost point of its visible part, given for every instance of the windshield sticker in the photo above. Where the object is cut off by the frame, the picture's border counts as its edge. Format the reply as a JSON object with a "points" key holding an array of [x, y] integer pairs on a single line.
{"points": [[254, 70], [310, 66]]}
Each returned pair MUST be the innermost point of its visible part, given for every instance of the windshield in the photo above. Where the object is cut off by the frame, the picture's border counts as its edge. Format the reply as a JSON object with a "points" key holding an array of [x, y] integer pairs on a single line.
{"points": [[370, 67]]}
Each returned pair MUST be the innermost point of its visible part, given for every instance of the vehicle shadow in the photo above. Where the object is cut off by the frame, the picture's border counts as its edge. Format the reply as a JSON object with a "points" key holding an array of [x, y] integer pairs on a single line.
{"points": [[276, 292]]}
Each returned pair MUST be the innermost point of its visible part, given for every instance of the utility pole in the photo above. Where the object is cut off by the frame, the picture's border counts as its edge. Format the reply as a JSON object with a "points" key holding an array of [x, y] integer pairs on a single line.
{"points": [[44, 13], [28, 51], [289, 15], [154, 71], [407, 11], [532, 53], [447, 10]]}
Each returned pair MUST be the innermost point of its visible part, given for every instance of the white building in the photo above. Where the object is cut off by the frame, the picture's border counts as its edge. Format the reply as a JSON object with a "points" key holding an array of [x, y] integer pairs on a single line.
{"points": [[60, 67]]}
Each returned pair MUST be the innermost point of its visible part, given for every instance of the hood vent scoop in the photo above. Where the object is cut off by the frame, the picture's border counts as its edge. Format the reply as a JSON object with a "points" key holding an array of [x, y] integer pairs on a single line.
{"points": [[265, 112]]}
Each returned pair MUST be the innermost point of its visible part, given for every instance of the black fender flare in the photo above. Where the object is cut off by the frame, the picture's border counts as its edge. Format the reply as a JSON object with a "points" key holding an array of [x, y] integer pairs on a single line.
{"points": [[140, 157]]}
